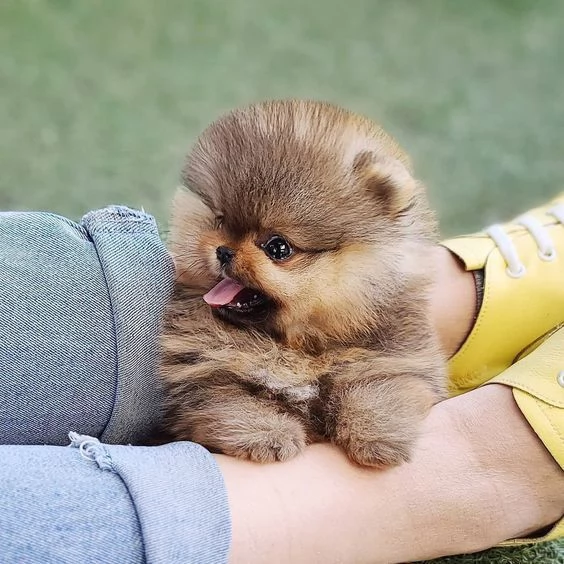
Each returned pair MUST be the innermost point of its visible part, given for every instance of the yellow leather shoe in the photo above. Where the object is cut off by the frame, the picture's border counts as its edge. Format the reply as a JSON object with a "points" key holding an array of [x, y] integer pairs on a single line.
{"points": [[523, 298], [518, 335]]}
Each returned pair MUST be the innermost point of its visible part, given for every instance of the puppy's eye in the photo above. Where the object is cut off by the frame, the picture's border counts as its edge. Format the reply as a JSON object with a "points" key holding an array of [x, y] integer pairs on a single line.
{"points": [[218, 221], [277, 248]]}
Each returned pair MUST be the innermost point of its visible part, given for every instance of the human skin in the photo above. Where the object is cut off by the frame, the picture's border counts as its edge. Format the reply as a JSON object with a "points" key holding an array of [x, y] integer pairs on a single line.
{"points": [[479, 475]]}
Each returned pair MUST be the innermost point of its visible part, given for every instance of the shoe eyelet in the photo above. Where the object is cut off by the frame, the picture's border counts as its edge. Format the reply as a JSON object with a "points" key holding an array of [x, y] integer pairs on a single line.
{"points": [[560, 378], [548, 257], [521, 271]]}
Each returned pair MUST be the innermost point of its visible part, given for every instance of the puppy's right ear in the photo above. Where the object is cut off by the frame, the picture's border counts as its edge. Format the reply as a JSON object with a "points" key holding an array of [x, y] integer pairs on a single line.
{"points": [[388, 181], [188, 214], [189, 242]]}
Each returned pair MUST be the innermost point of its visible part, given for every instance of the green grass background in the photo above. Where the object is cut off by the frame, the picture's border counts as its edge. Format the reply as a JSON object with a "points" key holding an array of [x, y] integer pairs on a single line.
{"points": [[100, 100]]}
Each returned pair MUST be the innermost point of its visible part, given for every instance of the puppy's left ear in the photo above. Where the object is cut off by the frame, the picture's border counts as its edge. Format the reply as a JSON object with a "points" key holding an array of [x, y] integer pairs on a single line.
{"points": [[388, 181]]}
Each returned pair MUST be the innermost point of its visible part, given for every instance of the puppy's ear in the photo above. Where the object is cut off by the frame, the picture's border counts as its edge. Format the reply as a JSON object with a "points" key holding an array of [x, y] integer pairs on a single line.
{"points": [[388, 181], [189, 214]]}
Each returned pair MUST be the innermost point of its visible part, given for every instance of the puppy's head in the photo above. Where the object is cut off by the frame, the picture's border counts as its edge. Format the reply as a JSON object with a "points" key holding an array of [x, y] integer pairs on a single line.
{"points": [[300, 219]]}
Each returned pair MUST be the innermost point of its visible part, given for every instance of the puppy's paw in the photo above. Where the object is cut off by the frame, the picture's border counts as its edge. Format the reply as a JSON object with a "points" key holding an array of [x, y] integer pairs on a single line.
{"points": [[276, 438], [376, 423], [380, 453]]}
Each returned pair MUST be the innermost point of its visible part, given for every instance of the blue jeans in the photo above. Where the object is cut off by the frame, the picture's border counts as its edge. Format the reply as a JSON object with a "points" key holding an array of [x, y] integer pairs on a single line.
{"points": [[80, 307]]}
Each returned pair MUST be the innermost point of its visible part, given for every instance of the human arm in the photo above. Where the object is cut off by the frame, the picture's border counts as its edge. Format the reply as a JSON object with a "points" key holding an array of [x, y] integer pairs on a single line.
{"points": [[78, 351], [112, 504], [478, 476]]}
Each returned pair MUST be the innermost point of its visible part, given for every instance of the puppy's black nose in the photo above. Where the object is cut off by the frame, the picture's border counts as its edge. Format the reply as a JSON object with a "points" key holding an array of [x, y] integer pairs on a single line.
{"points": [[224, 255]]}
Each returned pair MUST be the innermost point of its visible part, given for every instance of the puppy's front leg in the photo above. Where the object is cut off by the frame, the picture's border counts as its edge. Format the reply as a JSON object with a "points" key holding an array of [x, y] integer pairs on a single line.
{"points": [[373, 408], [230, 420]]}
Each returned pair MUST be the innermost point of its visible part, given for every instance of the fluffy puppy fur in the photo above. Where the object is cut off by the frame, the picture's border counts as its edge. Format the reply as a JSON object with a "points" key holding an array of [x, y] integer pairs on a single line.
{"points": [[320, 329]]}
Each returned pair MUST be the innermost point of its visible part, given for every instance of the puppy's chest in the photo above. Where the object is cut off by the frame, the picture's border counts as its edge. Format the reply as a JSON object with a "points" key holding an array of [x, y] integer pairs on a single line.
{"points": [[263, 382]]}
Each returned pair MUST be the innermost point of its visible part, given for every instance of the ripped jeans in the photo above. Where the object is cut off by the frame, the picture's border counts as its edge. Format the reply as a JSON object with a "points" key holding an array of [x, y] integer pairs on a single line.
{"points": [[80, 306]]}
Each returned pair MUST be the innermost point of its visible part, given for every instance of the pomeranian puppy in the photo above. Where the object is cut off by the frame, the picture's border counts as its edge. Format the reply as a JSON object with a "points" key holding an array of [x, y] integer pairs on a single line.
{"points": [[300, 312]]}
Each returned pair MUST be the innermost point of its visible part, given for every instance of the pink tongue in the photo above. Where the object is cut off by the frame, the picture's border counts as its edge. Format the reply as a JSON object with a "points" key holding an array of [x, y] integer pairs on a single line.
{"points": [[223, 293]]}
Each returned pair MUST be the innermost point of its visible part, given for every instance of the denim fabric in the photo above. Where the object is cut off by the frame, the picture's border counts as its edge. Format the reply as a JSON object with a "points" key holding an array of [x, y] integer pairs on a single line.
{"points": [[139, 274], [79, 311], [182, 511], [80, 306], [115, 505], [63, 509]]}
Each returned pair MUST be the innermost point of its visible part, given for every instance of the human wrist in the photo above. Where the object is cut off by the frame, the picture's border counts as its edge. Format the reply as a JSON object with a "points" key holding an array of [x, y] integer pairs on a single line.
{"points": [[526, 482], [454, 507], [452, 301]]}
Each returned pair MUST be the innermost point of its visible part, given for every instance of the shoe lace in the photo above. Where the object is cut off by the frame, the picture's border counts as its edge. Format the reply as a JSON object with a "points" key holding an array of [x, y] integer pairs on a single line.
{"points": [[547, 252]]}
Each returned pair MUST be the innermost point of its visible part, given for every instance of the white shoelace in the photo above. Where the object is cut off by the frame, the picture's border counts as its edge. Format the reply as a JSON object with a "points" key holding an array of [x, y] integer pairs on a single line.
{"points": [[547, 252]]}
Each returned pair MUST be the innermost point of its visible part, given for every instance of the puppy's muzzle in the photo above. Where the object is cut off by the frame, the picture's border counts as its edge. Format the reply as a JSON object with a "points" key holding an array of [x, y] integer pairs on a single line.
{"points": [[224, 255]]}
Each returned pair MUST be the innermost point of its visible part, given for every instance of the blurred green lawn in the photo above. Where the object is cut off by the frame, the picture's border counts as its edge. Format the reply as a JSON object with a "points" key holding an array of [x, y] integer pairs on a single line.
{"points": [[100, 100]]}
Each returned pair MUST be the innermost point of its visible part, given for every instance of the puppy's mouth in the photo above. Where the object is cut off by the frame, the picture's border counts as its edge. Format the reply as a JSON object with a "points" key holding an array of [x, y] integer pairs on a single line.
{"points": [[231, 296]]}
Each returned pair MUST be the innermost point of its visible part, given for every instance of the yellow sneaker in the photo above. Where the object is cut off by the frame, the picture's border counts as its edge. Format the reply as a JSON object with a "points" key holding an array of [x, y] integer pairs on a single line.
{"points": [[523, 298], [516, 339]]}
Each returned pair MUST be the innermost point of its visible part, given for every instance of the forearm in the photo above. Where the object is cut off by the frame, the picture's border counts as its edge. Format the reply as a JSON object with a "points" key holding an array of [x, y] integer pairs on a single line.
{"points": [[453, 497], [320, 508]]}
